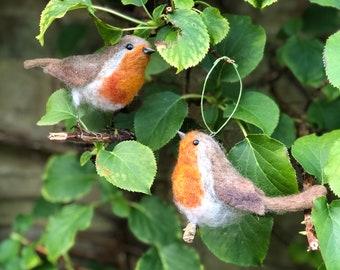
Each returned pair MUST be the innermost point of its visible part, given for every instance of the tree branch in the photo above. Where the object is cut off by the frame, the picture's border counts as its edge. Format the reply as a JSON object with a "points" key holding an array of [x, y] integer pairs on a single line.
{"points": [[91, 137]]}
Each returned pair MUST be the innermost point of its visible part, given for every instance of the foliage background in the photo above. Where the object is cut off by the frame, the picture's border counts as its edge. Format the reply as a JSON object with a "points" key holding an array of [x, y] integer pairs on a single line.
{"points": [[24, 148]]}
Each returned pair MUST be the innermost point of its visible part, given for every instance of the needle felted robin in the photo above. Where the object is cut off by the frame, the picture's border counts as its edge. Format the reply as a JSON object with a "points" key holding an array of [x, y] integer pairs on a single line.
{"points": [[108, 80], [209, 191]]}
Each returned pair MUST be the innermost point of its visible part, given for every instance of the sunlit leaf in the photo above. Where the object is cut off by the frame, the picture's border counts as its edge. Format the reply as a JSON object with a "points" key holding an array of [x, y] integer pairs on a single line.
{"points": [[312, 152], [244, 43], [59, 107], [265, 161], [332, 59], [57, 9], [326, 219], [186, 42], [250, 111], [130, 165]]}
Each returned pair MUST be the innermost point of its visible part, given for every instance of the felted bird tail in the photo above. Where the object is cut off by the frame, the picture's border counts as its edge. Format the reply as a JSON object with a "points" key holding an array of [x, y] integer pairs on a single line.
{"points": [[40, 62], [296, 202]]}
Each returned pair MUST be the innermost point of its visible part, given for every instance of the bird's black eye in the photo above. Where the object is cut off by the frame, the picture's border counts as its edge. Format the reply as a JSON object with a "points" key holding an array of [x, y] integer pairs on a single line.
{"points": [[196, 142], [129, 46]]}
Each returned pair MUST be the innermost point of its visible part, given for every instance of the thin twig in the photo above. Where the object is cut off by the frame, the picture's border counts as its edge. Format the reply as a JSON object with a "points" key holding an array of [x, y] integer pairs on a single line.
{"points": [[217, 55], [313, 242], [91, 137]]}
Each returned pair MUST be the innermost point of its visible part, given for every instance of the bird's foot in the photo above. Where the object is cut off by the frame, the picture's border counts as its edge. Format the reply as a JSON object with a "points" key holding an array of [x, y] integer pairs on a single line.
{"points": [[189, 233]]}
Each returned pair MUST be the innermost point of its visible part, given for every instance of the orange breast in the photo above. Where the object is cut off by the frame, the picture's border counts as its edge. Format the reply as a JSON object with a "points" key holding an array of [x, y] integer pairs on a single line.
{"points": [[125, 82], [186, 178]]}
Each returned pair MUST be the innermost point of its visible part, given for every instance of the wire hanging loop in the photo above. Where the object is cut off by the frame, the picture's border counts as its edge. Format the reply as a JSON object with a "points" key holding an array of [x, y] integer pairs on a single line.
{"points": [[230, 61]]}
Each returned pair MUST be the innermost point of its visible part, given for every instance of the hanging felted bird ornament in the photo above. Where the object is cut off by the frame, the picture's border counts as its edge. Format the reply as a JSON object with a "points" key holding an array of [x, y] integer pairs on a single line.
{"points": [[209, 191]]}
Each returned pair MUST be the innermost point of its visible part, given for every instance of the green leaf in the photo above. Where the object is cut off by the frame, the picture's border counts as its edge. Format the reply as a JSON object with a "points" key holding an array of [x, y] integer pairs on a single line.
{"points": [[85, 157], [298, 254], [137, 3], [119, 205], [217, 25], [332, 59], [312, 152], [30, 257], [9, 249], [22, 223], [265, 161], [150, 260], [110, 34], [130, 165], [71, 36], [93, 118], [174, 256], [156, 65], [326, 24], [324, 114], [15, 264], [66, 180], [179, 256], [261, 3], [59, 107], [330, 92], [292, 27], [328, 3], [304, 58], [332, 168], [124, 120], [43, 208], [154, 222], [62, 228], [243, 243], [246, 48], [326, 219], [184, 4], [249, 111], [211, 114], [285, 131], [157, 13], [159, 118], [185, 43], [57, 9]]}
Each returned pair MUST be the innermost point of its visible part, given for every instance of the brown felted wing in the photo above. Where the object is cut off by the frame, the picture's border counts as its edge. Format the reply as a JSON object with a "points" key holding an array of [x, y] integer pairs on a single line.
{"points": [[75, 70], [230, 186]]}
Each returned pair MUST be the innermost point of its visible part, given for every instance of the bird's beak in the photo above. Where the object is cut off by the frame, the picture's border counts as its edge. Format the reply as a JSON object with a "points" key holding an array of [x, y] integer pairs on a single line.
{"points": [[148, 50], [181, 134]]}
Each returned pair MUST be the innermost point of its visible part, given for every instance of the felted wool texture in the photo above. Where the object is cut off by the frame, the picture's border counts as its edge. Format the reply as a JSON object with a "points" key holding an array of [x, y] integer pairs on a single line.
{"points": [[85, 74], [193, 185], [296, 202], [90, 92], [209, 191], [237, 191], [230, 186], [186, 178], [123, 85], [213, 212]]}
